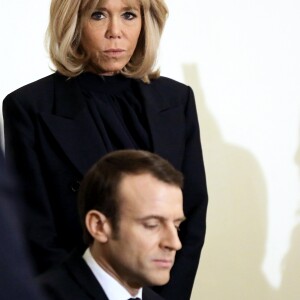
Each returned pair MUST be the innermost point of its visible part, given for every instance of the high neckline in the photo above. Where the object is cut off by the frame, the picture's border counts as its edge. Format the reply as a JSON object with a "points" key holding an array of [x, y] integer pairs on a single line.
{"points": [[91, 82]]}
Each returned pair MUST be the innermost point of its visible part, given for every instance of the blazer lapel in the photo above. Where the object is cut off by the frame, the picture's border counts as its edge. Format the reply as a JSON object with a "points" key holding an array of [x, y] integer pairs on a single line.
{"points": [[163, 118], [72, 125]]}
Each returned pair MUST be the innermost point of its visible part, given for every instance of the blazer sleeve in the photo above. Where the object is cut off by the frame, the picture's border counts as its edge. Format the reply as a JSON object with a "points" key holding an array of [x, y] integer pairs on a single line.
{"points": [[22, 153], [192, 231], [16, 275]]}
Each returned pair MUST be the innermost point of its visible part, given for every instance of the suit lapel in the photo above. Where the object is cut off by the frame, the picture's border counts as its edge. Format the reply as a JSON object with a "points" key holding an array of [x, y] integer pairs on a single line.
{"points": [[84, 277], [149, 294], [72, 125]]}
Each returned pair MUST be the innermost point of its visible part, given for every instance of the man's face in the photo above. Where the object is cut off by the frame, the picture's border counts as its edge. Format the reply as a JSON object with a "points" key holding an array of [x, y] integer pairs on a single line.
{"points": [[142, 252]]}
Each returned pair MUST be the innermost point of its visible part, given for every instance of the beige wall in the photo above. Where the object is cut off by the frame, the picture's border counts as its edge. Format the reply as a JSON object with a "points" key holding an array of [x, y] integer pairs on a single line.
{"points": [[242, 59]]}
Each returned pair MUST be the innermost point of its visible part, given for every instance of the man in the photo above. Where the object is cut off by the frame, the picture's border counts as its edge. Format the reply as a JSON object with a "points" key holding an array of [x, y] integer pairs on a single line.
{"points": [[16, 275], [131, 207]]}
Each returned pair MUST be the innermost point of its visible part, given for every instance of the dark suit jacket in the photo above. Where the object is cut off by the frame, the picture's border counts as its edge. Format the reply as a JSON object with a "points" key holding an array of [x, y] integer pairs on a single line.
{"points": [[16, 276], [74, 280], [52, 140]]}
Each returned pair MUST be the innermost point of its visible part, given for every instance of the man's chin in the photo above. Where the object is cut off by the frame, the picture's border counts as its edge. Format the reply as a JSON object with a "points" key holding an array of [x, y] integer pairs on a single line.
{"points": [[160, 279]]}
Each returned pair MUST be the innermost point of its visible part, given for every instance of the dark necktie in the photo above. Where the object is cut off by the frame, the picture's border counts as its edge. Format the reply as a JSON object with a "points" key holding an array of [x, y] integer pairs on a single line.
{"points": [[134, 299]]}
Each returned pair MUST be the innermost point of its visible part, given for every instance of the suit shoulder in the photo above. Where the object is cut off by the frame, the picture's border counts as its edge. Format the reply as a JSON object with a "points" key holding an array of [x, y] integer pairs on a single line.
{"points": [[58, 284], [55, 276]]}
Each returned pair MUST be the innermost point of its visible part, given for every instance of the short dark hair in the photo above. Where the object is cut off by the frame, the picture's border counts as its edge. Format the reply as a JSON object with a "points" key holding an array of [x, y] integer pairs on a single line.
{"points": [[99, 187]]}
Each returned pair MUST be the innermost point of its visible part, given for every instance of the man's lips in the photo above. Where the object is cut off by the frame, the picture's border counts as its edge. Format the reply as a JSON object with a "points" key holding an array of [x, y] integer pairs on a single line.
{"points": [[164, 263]]}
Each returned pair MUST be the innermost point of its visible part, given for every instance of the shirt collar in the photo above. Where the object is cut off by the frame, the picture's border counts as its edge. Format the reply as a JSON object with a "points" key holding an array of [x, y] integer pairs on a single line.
{"points": [[112, 288]]}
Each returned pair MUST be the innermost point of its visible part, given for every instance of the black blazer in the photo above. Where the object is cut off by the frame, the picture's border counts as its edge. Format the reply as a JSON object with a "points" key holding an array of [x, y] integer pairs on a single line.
{"points": [[52, 140], [74, 280], [16, 274]]}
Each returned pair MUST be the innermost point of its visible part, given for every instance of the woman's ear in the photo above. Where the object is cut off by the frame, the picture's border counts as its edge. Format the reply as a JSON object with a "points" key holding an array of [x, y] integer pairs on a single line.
{"points": [[97, 225]]}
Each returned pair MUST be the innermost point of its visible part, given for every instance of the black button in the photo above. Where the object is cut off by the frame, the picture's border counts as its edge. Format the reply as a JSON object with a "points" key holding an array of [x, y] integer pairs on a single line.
{"points": [[75, 185]]}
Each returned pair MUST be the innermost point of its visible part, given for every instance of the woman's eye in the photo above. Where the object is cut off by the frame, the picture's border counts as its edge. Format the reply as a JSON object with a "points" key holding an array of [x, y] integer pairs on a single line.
{"points": [[129, 15], [97, 15]]}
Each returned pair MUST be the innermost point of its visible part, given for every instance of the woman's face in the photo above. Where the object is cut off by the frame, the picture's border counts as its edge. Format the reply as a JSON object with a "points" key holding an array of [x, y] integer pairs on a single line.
{"points": [[110, 35]]}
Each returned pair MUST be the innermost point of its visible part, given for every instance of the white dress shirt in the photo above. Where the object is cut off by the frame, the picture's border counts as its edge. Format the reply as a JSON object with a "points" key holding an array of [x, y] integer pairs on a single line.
{"points": [[112, 288]]}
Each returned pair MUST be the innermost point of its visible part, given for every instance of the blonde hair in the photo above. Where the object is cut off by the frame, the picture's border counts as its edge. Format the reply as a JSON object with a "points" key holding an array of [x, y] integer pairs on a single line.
{"points": [[64, 38]]}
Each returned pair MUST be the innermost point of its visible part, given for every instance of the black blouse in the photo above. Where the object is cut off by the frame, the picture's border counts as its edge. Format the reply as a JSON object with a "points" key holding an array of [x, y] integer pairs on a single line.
{"points": [[118, 111]]}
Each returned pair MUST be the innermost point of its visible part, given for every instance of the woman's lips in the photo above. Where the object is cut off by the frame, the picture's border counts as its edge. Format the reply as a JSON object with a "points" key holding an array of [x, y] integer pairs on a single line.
{"points": [[114, 52]]}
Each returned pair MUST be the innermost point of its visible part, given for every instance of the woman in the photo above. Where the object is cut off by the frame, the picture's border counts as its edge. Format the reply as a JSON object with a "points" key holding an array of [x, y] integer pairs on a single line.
{"points": [[105, 95]]}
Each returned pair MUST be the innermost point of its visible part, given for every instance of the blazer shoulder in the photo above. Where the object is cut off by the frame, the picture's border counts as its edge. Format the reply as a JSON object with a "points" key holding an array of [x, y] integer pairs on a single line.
{"points": [[168, 87], [164, 92], [34, 86], [165, 82], [34, 94]]}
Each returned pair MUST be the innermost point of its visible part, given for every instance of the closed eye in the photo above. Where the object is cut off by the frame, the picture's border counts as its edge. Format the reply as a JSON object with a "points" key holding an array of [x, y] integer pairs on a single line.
{"points": [[151, 225], [177, 228], [178, 223]]}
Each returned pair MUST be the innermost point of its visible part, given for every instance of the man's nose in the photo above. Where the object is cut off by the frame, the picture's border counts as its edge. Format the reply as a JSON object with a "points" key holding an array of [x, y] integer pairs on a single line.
{"points": [[171, 239]]}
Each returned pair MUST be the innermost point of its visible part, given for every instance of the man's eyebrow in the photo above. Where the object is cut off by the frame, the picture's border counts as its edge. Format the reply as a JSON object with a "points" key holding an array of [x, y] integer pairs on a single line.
{"points": [[160, 218], [152, 217]]}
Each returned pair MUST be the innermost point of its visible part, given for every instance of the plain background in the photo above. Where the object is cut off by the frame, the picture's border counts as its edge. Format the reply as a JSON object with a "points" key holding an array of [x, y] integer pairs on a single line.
{"points": [[242, 59]]}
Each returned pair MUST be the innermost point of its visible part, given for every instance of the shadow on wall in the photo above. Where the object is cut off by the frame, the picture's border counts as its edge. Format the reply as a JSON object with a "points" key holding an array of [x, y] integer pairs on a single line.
{"points": [[230, 267], [290, 287]]}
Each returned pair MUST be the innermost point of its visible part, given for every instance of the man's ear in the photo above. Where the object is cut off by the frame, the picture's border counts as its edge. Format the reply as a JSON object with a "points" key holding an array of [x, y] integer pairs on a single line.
{"points": [[98, 225]]}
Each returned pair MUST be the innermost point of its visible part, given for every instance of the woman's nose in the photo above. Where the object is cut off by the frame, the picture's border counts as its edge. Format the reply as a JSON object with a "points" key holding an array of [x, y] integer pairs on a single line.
{"points": [[114, 29]]}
